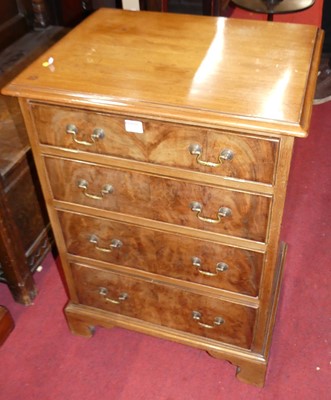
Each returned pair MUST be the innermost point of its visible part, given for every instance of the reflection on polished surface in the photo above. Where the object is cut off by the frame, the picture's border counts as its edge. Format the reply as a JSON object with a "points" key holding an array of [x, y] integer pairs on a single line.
{"points": [[226, 68], [273, 106], [211, 61], [171, 136]]}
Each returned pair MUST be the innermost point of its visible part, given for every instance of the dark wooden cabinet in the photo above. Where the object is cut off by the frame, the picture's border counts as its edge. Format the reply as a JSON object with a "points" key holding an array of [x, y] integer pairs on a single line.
{"points": [[25, 234]]}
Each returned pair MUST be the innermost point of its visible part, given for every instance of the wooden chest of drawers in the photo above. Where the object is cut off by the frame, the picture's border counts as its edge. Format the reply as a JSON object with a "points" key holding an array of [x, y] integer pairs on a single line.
{"points": [[163, 144]]}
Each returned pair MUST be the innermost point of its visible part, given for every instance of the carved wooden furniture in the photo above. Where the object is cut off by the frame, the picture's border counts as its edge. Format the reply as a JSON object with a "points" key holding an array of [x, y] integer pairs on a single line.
{"points": [[164, 161], [18, 17], [25, 234], [6, 324]]}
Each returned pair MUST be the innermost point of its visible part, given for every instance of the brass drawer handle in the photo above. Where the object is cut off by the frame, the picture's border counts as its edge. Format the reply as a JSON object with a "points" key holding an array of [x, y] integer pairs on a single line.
{"points": [[97, 134], [225, 155], [122, 297], [222, 213], [106, 189], [114, 244], [218, 321], [220, 267]]}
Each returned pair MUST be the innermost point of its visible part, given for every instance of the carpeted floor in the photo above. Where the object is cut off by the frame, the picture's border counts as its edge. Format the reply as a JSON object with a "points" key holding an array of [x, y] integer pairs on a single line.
{"points": [[42, 360]]}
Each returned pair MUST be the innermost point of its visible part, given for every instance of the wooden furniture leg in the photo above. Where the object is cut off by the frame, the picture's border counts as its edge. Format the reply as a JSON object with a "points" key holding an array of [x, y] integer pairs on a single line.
{"points": [[77, 326], [41, 17]]}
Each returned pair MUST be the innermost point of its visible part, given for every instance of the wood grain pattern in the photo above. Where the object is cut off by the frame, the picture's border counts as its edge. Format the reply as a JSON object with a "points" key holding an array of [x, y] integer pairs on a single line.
{"points": [[160, 199], [162, 253], [25, 235], [26, 201], [231, 76], [165, 305], [226, 88], [160, 143]]}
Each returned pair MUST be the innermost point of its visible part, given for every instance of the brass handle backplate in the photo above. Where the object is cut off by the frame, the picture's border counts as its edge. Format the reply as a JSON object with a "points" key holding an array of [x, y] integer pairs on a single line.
{"points": [[220, 267], [106, 189], [104, 292], [97, 134], [114, 244], [225, 155], [223, 212], [197, 316]]}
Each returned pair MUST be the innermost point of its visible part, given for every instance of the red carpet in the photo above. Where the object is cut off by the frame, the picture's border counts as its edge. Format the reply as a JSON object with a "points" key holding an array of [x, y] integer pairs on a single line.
{"points": [[42, 360]]}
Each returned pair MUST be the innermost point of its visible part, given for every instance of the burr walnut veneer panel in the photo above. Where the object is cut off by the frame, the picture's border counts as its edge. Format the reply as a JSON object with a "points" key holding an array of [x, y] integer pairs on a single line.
{"points": [[161, 199], [164, 164], [164, 144], [177, 256], [164, 305]]}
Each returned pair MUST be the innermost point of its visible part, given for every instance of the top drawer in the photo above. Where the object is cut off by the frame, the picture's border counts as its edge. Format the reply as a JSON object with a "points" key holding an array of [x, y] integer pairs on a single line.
{"points": [[199, 149]]}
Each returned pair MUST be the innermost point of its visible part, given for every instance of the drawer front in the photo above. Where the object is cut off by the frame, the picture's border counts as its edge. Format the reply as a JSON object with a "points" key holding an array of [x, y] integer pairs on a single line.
{"points": [[180, 257], [160, 143], [165, 305], [167, 200]]}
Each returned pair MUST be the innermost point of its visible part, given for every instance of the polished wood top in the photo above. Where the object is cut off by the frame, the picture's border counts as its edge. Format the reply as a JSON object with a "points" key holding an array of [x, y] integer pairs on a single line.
{"points": [[209, 70]]}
